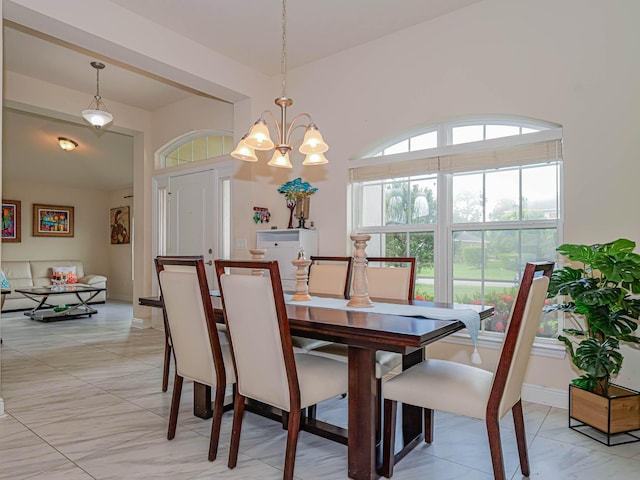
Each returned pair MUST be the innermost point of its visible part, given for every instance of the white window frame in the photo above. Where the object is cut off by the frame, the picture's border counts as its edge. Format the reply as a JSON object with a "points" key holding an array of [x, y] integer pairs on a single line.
{"points": [[444, 228]]}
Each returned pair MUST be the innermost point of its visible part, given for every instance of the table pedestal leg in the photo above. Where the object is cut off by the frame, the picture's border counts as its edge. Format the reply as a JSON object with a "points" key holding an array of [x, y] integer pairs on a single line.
{"points": [[411, 419], [361, 421], [202, 400]]}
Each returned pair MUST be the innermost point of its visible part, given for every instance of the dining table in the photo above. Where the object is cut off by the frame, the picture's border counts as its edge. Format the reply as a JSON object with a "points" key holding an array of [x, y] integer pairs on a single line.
{"points": [[364, 332]]}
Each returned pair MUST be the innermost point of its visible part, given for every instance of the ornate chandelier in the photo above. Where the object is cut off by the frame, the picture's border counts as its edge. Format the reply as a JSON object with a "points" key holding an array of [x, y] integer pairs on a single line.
{"points": [[258, 138]]}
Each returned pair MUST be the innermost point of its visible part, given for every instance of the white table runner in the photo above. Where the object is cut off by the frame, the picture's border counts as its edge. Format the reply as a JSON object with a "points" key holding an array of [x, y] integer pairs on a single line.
{"points": [[470, 318]]}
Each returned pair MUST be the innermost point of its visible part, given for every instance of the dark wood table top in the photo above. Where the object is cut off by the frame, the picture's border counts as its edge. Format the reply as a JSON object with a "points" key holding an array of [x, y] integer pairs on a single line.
{"points": [[379, 331]]}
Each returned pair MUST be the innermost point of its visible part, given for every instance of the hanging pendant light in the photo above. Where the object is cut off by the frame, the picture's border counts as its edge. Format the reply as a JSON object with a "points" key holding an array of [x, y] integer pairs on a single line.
{"points": [[259, 138], [97, 114]]}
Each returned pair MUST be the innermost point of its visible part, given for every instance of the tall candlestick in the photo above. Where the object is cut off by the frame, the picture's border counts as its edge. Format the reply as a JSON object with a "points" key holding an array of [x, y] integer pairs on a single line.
{"points": [[360, 297], [302, 277], [257, 254]]}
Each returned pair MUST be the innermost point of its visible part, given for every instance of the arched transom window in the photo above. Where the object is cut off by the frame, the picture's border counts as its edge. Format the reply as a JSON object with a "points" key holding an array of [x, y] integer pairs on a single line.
{"points": [[198, 147]]}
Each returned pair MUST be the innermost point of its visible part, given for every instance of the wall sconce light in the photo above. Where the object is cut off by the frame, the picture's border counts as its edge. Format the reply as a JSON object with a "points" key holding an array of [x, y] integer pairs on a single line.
{"points": [[67, 144]]}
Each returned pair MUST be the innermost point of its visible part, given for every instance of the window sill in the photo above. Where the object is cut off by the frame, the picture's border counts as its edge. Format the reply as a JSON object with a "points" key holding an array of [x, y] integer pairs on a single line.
{"points": [[542, 347]]}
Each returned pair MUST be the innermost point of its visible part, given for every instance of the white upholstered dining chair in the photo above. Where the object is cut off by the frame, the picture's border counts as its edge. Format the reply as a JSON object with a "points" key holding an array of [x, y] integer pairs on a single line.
{"points": [[266, 367], [330, 276], [391, 278], [471, 391], [198, 351]]}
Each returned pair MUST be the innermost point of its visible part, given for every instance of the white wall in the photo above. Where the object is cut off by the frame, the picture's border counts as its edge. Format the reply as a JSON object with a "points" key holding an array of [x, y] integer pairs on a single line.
{"points": [[120, 256], [190, 115], [91, 227]]}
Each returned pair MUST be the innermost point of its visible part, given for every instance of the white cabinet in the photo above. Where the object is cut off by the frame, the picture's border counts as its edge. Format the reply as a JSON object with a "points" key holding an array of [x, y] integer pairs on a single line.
{"points": [[283, 246]]}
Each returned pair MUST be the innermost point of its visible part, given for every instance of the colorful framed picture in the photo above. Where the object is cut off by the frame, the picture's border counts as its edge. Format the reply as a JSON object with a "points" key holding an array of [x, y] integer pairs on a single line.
{"points": [[52, 221], [11, 221], [120, 228]]}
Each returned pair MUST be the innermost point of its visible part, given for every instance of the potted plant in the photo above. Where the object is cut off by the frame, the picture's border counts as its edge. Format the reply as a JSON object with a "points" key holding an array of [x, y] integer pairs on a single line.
{"points": [[601, 313]]}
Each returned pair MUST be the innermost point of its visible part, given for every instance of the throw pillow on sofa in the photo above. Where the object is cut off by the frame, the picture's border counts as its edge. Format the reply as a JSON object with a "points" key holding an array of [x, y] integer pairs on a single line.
{"points": [[64, 275], [4, 283]]}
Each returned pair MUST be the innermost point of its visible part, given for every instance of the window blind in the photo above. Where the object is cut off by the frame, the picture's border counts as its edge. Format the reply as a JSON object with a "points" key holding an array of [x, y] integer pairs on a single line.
{"points": [[400, 166]]}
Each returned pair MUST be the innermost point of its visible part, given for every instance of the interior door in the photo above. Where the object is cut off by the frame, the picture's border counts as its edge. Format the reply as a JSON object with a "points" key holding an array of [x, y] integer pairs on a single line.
{"points": [[192, 218]]}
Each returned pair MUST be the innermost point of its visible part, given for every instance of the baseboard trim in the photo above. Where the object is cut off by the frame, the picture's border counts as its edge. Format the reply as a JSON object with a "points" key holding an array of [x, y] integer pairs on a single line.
{"points": [[140, 322], [553, 397]]}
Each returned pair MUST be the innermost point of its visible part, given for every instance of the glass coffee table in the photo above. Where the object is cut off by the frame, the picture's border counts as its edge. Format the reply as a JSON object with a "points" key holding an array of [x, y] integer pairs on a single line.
{"points": [[46, 312]]}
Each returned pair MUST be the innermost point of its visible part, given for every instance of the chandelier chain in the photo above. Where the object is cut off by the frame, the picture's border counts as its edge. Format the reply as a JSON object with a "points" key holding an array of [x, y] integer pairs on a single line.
{"points": [[283, 58]]}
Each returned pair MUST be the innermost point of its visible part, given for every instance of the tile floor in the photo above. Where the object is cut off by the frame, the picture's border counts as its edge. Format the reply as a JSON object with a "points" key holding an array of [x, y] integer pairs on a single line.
{"points": [[83, 401]]}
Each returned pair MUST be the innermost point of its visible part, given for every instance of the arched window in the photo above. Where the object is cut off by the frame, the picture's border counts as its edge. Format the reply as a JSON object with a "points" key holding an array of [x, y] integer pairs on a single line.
{"points": [[198, 146], [472, 199], [458, 132]]}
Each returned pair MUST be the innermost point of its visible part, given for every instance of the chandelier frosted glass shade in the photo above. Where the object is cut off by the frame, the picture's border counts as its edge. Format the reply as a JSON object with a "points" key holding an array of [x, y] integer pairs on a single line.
{"points": [[280, 160], [313, 141], [97, 118], [244, 151], [315, 159], [259, 137]]}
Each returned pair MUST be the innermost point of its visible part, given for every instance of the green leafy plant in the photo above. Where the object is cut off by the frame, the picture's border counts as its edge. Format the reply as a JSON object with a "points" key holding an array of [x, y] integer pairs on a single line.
{"points": [[597, 299]]}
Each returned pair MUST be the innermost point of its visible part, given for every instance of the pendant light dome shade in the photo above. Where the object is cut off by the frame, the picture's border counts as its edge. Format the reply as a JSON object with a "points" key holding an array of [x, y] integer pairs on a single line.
{"points": [[97, 118], [97, 114]]}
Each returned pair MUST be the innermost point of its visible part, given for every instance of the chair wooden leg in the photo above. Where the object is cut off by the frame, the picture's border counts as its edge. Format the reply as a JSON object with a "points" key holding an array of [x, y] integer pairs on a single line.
{"points": [[378, 410], [175, 406], [167, 351], [238, 411], [428, 425], [167, 364], [388, 445], [521, 438], [292, 443], [495, 446], [218, 410]]}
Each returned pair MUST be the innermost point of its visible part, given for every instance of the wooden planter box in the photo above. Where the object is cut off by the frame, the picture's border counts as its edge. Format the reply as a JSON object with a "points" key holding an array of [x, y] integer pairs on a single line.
{"points": [[612, 417]]}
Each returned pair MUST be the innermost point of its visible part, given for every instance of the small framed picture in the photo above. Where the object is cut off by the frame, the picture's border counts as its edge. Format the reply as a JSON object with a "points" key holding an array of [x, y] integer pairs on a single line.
{"points": [[52, 221], [119, 222], [11, 221]]}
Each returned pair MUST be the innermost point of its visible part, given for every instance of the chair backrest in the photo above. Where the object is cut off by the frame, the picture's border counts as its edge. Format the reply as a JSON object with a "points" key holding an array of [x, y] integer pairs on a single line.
{"points": [[258, 328], [191, 319], [519, 336], [330, 276], [393, 279]]}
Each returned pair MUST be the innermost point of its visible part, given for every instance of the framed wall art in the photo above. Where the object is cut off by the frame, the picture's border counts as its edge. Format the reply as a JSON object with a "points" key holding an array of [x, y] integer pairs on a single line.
{"points": [[11, 221], [120, 228], [52, 221]]}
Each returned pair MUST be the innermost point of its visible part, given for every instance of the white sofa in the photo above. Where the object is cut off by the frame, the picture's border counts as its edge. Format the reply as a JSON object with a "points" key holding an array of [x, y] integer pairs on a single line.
{"points": [[37, 273]]}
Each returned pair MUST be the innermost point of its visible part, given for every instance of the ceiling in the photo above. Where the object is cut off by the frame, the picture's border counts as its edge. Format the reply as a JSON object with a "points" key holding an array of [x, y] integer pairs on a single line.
{"points": [[249, 31]]}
